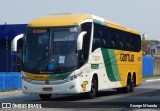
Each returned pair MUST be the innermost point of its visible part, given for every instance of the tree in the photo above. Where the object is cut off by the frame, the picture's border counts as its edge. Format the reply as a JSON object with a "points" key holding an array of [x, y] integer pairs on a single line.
{"points": [[155, 41], [146, 46]]}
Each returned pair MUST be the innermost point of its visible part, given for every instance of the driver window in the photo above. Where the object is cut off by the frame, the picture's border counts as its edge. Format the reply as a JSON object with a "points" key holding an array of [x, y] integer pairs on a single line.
{"points": [[86, 41]]}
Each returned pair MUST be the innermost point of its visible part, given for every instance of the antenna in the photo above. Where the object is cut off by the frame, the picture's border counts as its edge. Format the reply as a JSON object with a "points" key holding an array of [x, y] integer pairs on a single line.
{"points": [[64, 13], [60, 14]]}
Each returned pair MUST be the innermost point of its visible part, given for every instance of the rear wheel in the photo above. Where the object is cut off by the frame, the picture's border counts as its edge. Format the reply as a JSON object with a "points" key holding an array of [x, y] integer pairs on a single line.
{"points": [[45, 97], [93, 92], [129, 87], [126, 89], [132, 85]]}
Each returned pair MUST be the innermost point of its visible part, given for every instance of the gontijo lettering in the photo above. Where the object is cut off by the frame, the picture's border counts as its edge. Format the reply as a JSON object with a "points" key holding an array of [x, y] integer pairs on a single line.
{"points": [[127, 57]]}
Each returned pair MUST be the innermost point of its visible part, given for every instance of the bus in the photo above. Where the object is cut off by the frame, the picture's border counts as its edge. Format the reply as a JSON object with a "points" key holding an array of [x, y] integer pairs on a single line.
{"points": [[79, 53]]}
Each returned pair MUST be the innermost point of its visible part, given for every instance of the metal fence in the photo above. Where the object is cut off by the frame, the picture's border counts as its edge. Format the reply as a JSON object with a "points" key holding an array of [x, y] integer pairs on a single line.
{"points": [[148, 66], [10, 81]]}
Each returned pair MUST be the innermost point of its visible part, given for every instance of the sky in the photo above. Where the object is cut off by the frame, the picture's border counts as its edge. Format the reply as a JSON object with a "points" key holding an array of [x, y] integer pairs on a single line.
{"points": [[140, 15]]}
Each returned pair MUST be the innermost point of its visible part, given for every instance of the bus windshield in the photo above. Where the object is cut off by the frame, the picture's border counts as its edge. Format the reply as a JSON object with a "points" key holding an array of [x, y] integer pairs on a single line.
{"points": [[50, 50]]}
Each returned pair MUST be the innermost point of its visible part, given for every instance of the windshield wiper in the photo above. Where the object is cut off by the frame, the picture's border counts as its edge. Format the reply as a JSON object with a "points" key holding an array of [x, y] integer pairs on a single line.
{"points": [[69, 67], [63, 69]]}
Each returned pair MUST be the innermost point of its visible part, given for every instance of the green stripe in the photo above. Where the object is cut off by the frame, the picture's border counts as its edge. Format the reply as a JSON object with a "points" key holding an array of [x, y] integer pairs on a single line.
{"points": [[111, 64], [59, 76]]}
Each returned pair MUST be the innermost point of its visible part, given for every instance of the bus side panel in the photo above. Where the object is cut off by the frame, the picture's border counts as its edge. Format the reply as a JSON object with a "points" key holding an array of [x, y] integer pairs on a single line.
{"points": [[96, 62], [129, 62]]}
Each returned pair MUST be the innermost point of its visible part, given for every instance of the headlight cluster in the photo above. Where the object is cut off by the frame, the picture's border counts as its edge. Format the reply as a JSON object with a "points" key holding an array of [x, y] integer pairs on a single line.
{"points": [[70, 78], [26, 79]]}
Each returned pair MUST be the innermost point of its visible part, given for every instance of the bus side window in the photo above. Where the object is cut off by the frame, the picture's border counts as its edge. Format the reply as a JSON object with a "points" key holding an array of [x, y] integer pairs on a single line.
{"points": [[96, 43], [97, 37], [113, 38], [137, 42], [104, 37], [121, 41], [86, 42], [104, 43]]}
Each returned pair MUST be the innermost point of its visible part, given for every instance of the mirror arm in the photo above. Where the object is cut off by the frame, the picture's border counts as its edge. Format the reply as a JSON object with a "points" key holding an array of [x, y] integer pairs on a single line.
{"points": [[80, 40], [15, 41]]}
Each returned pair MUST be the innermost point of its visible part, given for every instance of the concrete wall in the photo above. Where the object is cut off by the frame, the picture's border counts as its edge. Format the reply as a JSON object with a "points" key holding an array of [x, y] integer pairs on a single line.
{"points": [[156, 65]]}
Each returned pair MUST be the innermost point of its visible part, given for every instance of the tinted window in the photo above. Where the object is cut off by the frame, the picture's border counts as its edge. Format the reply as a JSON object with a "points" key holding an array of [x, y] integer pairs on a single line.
{"points": [[97, 37], [86, 41], [111, 38]]}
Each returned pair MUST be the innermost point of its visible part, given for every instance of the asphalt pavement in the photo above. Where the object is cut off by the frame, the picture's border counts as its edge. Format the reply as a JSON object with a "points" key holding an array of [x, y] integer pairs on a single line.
{"points": [[147, 93], [17, 92]]}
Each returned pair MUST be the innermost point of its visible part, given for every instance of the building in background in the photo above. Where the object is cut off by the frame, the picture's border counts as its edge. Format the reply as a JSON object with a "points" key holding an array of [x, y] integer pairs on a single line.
{"points": [[10, 61], [155, 49]]}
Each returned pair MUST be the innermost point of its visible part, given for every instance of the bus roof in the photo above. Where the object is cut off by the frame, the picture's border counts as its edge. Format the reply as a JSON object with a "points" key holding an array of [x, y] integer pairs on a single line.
{"points": [[59, 20], [72, 19]]}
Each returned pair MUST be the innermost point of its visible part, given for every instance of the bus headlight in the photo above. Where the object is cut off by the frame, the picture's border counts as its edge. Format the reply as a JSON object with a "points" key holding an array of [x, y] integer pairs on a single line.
{"points": [[73, 77], [26, 79]]}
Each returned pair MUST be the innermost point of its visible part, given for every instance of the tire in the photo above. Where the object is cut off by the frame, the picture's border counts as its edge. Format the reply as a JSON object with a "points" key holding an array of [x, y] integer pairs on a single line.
{"points": [[45, 97], [93, 92], [127, 89], [132, 85]]}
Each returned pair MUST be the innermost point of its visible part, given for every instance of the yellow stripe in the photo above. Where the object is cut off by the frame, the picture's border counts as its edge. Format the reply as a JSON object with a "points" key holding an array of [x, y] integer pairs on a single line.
{"points": [[36, 76]]}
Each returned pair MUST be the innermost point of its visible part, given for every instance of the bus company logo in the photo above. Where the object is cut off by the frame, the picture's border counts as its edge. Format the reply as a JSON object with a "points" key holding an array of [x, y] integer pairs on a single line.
{"points": [[84, 85], [46, 82], [6, 105], [127, 57]]}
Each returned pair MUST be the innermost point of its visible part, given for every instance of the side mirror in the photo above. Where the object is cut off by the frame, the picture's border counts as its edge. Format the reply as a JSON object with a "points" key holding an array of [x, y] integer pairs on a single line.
{"points": [[15, 41], [80, 40]]}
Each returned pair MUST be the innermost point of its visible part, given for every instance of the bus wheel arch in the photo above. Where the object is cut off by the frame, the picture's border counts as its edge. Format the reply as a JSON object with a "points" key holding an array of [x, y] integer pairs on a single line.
{"points": [[94, 87], [96, 77]]}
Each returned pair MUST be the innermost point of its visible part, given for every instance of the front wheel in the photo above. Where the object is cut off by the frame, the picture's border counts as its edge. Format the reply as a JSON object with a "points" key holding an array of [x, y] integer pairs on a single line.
{"points": [[45, 97], [93, 92]]}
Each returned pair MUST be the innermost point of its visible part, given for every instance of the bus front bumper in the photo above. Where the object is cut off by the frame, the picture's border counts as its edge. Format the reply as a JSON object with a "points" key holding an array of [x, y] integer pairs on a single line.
{"points": [[71, 87]]}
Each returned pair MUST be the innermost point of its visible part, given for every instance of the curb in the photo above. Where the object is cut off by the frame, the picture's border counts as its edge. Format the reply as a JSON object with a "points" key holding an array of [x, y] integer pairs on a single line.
{"points": [[10, 93], [151, 79]]}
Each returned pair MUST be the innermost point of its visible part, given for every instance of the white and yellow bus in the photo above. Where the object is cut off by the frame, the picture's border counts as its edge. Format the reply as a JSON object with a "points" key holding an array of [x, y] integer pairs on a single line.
{"points": [[79, 53]]}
